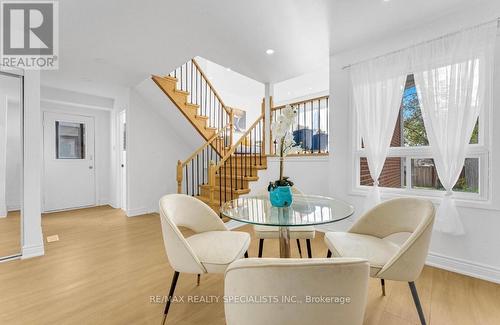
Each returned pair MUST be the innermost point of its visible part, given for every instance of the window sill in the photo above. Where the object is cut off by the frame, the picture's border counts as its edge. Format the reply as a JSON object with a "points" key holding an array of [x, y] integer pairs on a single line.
{"points": [[303, 157], [436, 198]]}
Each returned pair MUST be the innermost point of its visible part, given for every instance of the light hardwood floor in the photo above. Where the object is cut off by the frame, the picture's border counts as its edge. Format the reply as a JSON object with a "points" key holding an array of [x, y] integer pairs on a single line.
{"points": [[105, 268], [10, 234]]}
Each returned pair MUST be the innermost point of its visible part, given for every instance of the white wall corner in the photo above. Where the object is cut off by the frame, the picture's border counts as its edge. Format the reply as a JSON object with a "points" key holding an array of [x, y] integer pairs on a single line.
{"points": [[32, 219]]}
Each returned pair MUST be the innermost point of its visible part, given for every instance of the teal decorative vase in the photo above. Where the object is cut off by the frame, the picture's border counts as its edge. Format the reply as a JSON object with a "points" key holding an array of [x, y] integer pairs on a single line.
{"points": [[280, 196]]}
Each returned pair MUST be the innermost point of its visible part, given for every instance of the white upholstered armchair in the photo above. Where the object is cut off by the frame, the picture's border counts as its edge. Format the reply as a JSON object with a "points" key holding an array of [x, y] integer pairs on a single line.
{"points": [[341, 279], [367, 239], [210, 250], [269, 232]]}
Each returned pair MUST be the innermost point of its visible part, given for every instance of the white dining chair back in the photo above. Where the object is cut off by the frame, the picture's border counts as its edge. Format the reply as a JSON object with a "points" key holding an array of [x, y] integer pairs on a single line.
{"points": [[293, 291]]}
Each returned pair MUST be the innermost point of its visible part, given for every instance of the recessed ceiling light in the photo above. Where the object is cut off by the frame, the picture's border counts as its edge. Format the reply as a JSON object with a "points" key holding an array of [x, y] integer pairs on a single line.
{"points": [[269, 51], [387, 0], [228, 69]]}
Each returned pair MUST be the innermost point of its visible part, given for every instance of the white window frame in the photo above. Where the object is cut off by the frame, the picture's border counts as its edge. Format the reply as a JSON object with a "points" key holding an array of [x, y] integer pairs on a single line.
{"points": [[481, 150]]}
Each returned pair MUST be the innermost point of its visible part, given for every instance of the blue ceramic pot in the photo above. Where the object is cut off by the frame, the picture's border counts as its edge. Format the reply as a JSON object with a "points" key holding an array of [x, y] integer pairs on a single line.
{"points": [[281, 196]]}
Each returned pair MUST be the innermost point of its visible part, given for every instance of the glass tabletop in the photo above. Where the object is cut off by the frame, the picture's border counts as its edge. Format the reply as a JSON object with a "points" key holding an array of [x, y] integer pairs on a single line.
{"points": [[306, 210]]}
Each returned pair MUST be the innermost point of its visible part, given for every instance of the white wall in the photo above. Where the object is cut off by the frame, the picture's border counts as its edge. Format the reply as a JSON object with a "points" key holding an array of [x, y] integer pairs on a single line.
{"points": [[309, 174], [312, 84], [236, 90], [158, 136], [475, 253], [14, 156], [69, 102]]}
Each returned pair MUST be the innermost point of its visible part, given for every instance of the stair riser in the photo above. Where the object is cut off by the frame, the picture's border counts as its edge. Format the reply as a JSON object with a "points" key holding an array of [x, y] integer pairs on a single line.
{"points": [[206, 192], [241, 170], [251, 161]]}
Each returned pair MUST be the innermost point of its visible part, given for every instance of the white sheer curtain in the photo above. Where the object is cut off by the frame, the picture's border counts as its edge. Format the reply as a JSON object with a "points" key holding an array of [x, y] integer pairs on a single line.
{"points": [[452, 76], [377, 87]]}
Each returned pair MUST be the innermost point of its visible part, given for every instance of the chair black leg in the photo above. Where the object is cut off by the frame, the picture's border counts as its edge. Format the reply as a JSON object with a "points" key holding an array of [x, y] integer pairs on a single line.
{"points": [[261, 246], [300, 249], [170, 295], [414, 293], [382, 282], [309, 251], [329, 254], [198, 280], [246, 254]]}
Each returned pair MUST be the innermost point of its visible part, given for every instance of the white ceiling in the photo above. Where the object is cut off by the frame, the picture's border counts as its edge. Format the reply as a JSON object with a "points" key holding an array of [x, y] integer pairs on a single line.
{"points": [[122, 42]]}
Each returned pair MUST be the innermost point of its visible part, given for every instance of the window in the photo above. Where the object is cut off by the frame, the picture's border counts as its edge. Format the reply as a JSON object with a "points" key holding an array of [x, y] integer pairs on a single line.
{"points": [[310, 129], [70, 140], [409, 165]]}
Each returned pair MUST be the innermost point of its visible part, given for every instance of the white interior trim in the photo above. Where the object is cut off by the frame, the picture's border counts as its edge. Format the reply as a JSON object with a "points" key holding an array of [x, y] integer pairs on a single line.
{"points": [[67, 103]]}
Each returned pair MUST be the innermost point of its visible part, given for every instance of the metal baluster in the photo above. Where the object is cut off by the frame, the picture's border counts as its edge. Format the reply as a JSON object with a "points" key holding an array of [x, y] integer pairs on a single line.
{"points": [[260, 149], [198, 173], [220, 185], [241, 166], [231, 174], [312, 128], [327, 126], [319, 125], [254, 147], [245, 154], [192, 178], [187, 180], [225, 181]]}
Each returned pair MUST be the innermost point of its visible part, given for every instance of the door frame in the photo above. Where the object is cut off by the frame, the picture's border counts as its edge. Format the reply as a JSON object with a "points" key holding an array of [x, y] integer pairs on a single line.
{"points": [[122, 188], [18, 73], [96, 170]]}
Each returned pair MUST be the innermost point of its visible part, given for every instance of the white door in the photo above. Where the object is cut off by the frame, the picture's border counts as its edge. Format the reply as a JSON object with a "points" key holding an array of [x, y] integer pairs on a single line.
{"points": [[69, 169]]}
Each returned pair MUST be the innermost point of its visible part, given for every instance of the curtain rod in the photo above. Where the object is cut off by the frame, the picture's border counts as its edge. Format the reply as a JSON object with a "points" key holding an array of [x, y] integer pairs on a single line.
{"points": [[425, 42]]}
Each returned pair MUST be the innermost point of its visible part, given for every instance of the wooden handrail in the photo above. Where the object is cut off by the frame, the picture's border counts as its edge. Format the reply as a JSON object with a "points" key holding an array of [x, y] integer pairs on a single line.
{"points": [[300, 102], [206, 144], [242, 138], [228, 111]]}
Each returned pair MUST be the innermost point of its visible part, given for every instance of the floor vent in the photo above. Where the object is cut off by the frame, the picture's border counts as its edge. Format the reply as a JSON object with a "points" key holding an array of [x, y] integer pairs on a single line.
{"points": [[52, 238]]}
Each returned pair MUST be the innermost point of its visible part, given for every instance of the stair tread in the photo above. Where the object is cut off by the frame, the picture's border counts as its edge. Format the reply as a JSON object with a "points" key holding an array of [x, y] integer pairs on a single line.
{"points": [[202, 117], [192, 105], [170, 78], [227, 189], [182, 92], [245, 178]]}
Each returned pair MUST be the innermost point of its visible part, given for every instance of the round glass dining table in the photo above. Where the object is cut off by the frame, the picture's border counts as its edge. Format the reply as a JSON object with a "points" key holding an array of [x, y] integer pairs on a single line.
{"points": [[306, 210]]}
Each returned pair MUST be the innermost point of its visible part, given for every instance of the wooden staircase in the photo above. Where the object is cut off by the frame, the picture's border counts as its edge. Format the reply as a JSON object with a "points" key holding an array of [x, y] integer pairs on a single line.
{"points": [[221, 169]]}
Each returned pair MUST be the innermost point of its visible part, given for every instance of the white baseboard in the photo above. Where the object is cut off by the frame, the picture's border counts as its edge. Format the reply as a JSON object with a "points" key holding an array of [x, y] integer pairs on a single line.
{"points": [[14, 207], [139, 212], [32, 251], [136, 212], [475, 270]]}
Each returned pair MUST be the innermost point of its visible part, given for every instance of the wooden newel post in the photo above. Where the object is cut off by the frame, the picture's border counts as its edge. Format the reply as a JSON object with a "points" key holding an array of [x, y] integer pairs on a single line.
{"points": [[231, 127], [211, 180], [179, 177]]}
